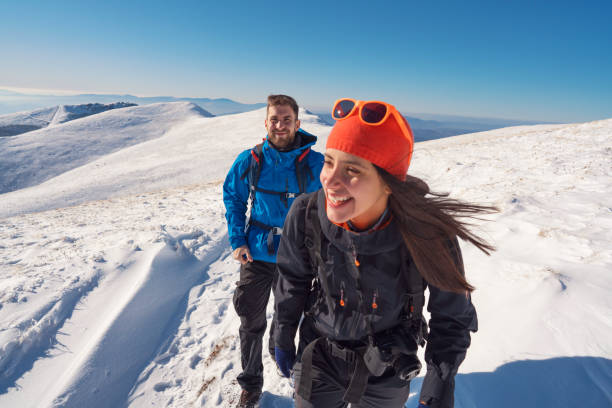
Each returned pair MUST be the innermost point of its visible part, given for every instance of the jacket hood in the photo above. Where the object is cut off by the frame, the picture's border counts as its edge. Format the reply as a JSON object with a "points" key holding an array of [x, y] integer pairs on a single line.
{"points": [[366, 243]]}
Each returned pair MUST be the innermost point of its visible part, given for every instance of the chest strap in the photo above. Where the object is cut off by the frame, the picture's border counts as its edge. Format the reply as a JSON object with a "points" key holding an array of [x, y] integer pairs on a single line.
{"points": [[272, 231], [283, 195]]}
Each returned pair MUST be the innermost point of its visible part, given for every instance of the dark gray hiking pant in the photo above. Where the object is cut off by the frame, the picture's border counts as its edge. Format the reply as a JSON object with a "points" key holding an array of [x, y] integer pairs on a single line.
{"points": [[250, 301], [331, 377]]}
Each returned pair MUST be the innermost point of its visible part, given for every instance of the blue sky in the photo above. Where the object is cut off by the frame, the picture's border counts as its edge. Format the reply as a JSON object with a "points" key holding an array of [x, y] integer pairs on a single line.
{"points": [[529, 60]]}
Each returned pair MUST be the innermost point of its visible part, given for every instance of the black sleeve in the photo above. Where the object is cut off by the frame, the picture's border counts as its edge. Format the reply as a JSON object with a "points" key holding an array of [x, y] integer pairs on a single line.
{"points": [[295, 276], [452, 318]]}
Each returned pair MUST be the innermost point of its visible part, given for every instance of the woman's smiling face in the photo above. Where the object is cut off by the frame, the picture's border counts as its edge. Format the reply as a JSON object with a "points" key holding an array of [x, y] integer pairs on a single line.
{"points": [[353, 188]]}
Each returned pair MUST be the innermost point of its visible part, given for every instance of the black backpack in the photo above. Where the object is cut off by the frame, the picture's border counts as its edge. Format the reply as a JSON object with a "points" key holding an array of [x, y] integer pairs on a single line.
{"points": [[414, 281], [413, 316]]}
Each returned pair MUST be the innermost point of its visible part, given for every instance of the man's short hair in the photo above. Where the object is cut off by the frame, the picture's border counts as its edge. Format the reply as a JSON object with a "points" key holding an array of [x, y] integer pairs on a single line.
{"points": [[277, 100]]}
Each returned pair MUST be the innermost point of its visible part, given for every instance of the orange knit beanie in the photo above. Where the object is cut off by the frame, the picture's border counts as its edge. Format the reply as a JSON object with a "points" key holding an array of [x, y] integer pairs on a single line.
{"points": [[384, 145]]}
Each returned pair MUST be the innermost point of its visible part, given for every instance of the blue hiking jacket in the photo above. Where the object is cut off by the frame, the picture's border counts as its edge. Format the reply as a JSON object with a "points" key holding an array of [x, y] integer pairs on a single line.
{"points": [[277, 174]]}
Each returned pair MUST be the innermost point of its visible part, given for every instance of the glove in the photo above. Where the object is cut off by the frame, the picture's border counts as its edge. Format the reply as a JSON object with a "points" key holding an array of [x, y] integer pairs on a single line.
{"points": [[284, 361]]}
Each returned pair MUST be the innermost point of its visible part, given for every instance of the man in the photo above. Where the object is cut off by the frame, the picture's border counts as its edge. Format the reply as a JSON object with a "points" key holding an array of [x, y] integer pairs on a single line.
{"points": [[271, 175]]}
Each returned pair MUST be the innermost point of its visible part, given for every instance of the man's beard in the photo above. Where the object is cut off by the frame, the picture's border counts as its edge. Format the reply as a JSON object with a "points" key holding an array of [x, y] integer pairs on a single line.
{"points": [[288, 146]]}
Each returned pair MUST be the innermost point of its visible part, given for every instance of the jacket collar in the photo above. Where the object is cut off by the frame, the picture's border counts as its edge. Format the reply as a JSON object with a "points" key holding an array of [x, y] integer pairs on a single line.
{"points": [[308, 140]]}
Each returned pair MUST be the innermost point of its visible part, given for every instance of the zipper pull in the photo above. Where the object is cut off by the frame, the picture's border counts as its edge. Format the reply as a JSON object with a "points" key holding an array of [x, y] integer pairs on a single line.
{"points": [[374, 304], [355, 257], [342, 294]]}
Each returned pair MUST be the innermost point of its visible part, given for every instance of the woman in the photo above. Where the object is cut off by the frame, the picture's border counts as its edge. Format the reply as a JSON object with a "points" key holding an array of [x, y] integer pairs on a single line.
{"points": [[354, 260]]}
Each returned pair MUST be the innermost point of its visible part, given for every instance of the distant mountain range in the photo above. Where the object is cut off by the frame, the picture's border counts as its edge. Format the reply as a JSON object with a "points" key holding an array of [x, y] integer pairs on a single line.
{"points": [[430, 127], [424, 126], [11, 102]]}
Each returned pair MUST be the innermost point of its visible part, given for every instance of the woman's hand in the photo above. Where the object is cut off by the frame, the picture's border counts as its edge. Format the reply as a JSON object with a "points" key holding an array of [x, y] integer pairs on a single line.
{"points": [[422, 405], [284, 360]]}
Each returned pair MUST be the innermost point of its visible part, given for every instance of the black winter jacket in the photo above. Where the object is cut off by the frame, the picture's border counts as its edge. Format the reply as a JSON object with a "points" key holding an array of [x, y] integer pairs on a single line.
{"points": [[378, 275]]}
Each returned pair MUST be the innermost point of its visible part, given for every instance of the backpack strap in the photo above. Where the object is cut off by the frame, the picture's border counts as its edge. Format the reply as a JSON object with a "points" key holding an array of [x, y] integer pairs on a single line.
{"points": [[415, 301], [312, 242], [253, 172], [304, 386], [303, 172], [312, 232]]}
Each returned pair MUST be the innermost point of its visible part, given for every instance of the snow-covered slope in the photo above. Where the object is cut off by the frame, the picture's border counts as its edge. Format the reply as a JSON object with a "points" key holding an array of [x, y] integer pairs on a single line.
{"points": [[32, 158], [22, 122], [39, 117], [128, 151], [126, 299], [17, 123], [66, 113]]}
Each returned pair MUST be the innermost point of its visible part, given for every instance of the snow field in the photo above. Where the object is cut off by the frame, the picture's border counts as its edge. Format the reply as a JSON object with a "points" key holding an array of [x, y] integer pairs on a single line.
{"points": [[116, 278]]}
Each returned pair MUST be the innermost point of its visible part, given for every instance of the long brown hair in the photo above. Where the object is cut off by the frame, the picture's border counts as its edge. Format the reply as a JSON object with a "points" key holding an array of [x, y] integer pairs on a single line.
{"points": [[429, 223]]}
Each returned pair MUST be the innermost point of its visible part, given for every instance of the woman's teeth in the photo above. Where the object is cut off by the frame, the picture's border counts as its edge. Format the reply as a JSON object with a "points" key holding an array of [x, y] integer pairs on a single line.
{"points": [[337, 200]]}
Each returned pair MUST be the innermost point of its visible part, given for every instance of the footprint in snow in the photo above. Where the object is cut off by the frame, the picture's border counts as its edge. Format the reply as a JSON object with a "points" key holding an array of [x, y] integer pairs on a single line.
{"points": [[220, 313]]}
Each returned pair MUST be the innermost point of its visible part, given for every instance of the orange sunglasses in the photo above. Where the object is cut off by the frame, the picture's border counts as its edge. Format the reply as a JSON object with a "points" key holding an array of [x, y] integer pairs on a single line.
{"points": [[372, 113]]}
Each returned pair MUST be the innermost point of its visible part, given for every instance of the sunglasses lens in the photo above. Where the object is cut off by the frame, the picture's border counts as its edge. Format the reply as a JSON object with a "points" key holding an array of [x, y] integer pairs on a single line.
{"points": [[343, 108], [373, 112]]}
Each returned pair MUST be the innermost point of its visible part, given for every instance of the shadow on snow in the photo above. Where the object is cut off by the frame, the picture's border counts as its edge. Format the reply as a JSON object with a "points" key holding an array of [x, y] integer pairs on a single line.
{"points": [[556, 382]]}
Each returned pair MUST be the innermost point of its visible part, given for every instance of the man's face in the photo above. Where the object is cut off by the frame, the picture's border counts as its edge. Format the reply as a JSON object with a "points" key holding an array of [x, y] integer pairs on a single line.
{"points": [[281, 125]]}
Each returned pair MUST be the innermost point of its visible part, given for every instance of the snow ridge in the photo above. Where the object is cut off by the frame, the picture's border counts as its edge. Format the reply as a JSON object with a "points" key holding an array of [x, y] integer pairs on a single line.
{"points": [[22, 122], [151, 309]]}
